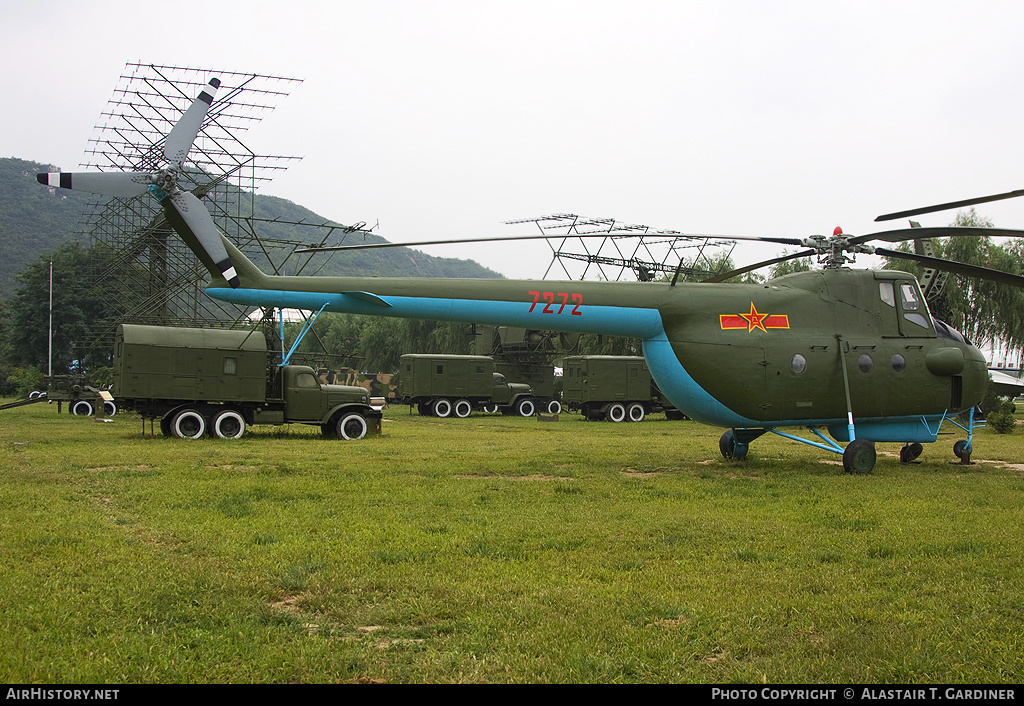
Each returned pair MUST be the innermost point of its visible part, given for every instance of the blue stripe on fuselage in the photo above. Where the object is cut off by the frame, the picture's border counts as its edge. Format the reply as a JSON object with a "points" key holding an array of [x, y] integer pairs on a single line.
{"points": [[634, 322], [683, 391]]}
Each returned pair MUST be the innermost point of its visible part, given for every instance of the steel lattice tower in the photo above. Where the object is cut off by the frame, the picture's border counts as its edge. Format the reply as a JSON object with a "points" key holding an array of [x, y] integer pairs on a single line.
{"points": [[149, 269]]}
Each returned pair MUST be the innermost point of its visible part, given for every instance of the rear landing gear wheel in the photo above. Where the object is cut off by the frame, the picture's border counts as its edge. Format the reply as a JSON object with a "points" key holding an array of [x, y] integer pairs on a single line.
{"points": [[909, 452], [859, 456], [963, 450]]}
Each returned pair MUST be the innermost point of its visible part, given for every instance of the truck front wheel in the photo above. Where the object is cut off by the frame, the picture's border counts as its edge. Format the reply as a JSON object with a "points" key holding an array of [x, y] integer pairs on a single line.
{"points": [[228, 424], [351, 426], [188, 424]]}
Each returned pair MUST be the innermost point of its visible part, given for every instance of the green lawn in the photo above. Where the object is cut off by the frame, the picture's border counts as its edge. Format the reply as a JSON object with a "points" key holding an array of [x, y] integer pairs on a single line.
{"points": [[495, 549]]}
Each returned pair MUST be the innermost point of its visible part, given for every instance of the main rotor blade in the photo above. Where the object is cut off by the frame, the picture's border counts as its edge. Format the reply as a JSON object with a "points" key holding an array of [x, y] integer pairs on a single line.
{"points": [[758, 265], [959, 268], [198, 220], [367, 246], [121, 184], [951, 204], [904, 234], [183, 134]]}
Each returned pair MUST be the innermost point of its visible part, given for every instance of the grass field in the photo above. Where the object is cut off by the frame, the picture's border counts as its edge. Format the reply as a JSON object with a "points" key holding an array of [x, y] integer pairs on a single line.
{"points": [[494, 549]]}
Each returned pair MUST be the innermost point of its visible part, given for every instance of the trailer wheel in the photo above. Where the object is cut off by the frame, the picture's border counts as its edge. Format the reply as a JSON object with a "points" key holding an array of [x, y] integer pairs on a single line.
{"points": [[109, 408], [82, 408], [554, 407], [188, 424], [228, 424], [351, 426], [442, 408], [463, 408], [525, 407], [616, 412], [637, 412]]}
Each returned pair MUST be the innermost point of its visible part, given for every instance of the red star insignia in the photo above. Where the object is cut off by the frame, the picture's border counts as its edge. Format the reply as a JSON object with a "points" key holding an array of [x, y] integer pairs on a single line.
{"points": [[754, 319]]}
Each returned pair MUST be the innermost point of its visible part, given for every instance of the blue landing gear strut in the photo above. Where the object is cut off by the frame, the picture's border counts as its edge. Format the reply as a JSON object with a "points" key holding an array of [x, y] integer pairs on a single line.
{"points": [[963, 448]]}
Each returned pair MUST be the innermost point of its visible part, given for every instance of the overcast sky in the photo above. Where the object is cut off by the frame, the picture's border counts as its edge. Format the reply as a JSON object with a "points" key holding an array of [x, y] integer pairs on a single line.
{"points": [[447, 118]]}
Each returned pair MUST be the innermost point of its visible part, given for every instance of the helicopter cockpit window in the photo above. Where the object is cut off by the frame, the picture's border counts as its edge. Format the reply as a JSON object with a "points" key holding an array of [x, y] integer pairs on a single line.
{"points": [[912, 305], [887, 293]]}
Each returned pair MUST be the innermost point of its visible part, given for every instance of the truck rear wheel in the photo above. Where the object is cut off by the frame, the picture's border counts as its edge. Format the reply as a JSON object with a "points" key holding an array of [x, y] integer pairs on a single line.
{"points": [[82, 408], [351, 426], [554, 407], [490, 408], [616, 412], [637, 412], [525, 408], [188, 424], [228, 424], [109, 408], [442, 408], [463, 408]]}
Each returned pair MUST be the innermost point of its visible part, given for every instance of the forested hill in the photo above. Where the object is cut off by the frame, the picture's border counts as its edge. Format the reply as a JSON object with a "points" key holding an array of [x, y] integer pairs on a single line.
{"points": [[34, 221]]}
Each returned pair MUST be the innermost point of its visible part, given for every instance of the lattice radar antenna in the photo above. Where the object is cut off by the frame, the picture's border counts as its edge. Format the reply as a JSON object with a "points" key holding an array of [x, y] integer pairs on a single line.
{"points": [[156, 276], [629, 252]]}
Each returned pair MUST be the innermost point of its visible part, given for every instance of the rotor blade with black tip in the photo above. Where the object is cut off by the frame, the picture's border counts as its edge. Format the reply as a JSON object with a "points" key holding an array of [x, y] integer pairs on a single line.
{"points": [[955, 267], [757, 266], [183, 134], [367, 246], [906, 234], [122, 184], [950, 205], [199, 221]]}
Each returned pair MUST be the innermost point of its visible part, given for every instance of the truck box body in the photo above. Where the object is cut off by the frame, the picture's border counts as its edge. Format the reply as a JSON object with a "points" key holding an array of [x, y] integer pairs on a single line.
{"points": [[605, 378], [214, 365], [423, 375]]}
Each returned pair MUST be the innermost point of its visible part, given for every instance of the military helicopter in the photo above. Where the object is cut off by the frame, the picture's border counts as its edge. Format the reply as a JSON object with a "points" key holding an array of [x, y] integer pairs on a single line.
{"points": [[854, 353]]}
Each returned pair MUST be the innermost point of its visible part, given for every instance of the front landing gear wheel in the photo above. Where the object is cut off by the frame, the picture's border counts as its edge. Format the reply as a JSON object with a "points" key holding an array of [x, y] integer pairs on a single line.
{"points": [[731, 448], [963, 450], [859, 456], [909, 452]]}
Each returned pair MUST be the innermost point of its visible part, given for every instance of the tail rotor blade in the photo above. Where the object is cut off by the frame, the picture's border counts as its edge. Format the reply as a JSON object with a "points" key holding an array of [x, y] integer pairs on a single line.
{"points": [[122, 184], [198, 220], [183, 134]]}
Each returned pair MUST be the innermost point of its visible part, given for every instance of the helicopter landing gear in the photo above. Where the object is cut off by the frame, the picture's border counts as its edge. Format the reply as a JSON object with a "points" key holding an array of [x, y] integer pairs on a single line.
{"points": [[735, 443], [859, 456], [909, 452], [962, 450]]}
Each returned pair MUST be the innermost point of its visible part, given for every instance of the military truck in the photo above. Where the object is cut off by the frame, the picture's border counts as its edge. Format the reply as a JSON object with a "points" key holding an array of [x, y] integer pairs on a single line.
{"points": [[446, 385], [616, 388], [217, 382]]}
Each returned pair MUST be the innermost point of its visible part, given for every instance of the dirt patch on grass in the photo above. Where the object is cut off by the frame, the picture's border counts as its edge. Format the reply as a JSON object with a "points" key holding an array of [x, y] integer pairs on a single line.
{"points": [[100, 469], [490, 475]]}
